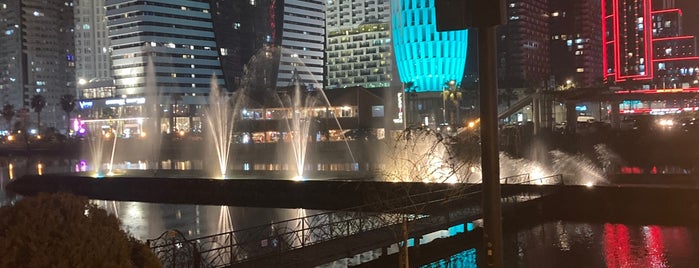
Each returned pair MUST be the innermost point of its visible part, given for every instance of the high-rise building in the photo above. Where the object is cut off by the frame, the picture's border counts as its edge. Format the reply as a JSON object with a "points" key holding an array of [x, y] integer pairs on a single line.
{"points": [[646, 48], [524, 45], [675, 58], [37, 57], [576, 43], [177, 36], [248, 35], [427, 59], [302, 44], [11, 56], [92, 57], [430, 64], [358, 44]]}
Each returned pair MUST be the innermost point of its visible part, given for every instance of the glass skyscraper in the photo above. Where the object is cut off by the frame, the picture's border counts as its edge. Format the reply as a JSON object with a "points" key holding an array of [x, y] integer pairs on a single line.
{"points": [[302, 44], [176, 35]]}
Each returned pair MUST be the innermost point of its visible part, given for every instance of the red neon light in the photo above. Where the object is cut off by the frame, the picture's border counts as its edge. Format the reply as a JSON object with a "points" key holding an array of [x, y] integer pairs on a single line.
{"points": [[673, 38], [647, 44], [617, 59], [677, 59], [679, 11], [659, 91], [605, 64], [650, 56]]}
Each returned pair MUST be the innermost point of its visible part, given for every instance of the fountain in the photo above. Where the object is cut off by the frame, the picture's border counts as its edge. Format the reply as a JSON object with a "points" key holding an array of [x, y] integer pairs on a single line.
{"points": [[424, 155], [299, 121], [96, 143], [151, 136], [220, 118]]}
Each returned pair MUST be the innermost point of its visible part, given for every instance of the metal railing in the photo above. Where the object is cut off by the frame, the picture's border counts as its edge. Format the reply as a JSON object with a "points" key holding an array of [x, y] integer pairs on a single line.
{"points": [[226, 249]]}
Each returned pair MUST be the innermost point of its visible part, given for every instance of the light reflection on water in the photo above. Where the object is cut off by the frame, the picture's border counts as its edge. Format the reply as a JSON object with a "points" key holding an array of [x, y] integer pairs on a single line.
{"points": [[574, 244], [150, 220], [553, 244]]}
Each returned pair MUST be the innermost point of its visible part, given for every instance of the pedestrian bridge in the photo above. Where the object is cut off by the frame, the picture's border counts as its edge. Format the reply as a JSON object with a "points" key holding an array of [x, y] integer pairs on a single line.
{"points": [[322, 238]]}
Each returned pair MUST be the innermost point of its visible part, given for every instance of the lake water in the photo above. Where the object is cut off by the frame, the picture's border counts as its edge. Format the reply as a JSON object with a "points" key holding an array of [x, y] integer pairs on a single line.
{"points": [[552, 244]]}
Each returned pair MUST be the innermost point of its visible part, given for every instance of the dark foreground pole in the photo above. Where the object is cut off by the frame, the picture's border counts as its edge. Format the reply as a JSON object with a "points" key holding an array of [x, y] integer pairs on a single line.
{"points": [[484, 15], [490, 162]]}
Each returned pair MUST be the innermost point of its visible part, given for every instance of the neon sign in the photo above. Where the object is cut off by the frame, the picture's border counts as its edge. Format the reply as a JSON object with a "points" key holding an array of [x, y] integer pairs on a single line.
{"points": [[85, 104]]}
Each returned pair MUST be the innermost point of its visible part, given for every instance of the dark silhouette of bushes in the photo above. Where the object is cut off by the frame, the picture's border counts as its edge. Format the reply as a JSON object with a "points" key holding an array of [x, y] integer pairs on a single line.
{"points": [[63, 230]]}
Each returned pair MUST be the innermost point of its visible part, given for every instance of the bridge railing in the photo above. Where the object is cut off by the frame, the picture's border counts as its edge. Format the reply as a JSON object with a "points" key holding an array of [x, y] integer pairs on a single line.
{"points": [[556, 179], [228, 248]]}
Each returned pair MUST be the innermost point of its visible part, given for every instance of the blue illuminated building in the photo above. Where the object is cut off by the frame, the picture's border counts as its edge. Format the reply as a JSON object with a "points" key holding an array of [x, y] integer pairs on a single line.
{"points": [[425, 57]]}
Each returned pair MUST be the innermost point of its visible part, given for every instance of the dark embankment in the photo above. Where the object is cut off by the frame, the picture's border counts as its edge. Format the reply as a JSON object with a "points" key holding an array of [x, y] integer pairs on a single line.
{"points": [[312, 194]]}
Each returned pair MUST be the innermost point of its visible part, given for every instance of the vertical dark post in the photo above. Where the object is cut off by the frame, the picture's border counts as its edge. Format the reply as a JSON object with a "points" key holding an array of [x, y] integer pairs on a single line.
{"points": [[484, 16], [490, 162]]}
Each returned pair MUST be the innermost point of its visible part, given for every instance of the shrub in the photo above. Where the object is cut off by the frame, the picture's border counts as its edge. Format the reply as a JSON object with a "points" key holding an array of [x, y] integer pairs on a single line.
{"points": [[63, 230]]}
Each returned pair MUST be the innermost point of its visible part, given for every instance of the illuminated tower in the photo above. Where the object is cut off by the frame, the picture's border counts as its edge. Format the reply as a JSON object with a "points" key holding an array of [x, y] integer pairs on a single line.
{"points": [[426, 58], [646, 48], [628, 34]]}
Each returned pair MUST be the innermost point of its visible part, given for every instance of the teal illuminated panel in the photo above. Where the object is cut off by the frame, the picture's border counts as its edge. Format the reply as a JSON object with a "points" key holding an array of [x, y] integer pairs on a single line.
{"points": [[425, 57]]}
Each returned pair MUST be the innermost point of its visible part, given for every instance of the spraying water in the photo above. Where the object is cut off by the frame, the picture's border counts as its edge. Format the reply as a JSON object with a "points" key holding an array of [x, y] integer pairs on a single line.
{"points": [[96, 144], [220, 117], [299, 123]]}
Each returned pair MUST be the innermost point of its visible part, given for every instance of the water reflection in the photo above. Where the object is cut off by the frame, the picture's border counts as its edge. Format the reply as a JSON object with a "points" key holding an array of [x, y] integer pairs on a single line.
{"points": [[148, 220], [464, 259], [572, 244]]}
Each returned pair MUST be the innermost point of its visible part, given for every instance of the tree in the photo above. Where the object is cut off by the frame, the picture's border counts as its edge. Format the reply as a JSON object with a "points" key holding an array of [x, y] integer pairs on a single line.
{"points": [[63, 230], [451, 93], [421, 154], [8, 112], [68, 105], [38, 102]]}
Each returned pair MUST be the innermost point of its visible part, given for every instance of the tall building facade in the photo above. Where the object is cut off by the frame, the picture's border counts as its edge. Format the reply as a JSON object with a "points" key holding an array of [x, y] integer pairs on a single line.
{"points": [[92, 53], [248, 35], [646, 48], [524, 45], [425, 58], [358, 44], [177, 36], [37, 57], [302, 52], [576, 44], [430, 64]]}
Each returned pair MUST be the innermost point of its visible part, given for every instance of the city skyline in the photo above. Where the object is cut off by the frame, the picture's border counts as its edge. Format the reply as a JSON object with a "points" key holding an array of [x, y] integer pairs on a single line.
{"points": [[305, 40]]}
